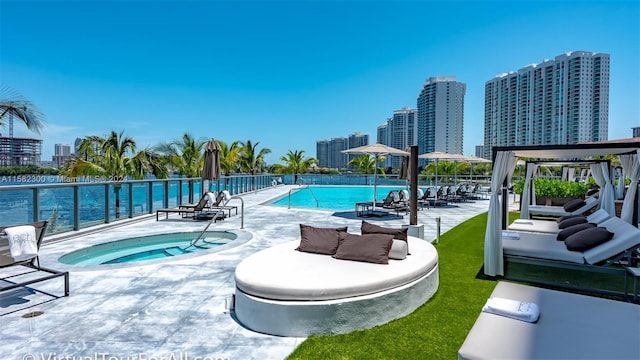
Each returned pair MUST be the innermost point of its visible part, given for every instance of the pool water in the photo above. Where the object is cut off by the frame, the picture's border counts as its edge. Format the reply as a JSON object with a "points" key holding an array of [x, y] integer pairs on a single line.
{"points": [[146, 248], [333, 197]]}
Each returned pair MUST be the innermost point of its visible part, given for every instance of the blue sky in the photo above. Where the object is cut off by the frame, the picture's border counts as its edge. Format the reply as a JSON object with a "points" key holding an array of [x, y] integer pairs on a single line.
{"points": [[289, 73]]}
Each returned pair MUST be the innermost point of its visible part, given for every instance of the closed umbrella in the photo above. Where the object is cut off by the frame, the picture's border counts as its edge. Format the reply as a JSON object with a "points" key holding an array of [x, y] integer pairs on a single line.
{"points": [[375, 150], [211, 168]]}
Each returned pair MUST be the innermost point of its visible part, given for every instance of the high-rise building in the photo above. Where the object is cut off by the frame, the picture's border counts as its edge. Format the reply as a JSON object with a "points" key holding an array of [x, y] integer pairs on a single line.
{"points": [[61, 154], [560, 101], [635, 131], [480, 150], [441, 115], [356, 140], [76, 145], [17, 151], [322, 153], [400, 132], [329, 152]]}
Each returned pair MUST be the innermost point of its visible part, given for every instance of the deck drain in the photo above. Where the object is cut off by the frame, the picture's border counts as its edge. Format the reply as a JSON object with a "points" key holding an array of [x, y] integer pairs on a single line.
{"points": [[32, 314]]}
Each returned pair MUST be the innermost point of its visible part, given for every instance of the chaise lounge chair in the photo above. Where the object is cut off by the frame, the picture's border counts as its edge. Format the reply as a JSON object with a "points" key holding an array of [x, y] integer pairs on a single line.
{"points": [[570, 326], [397, 201], [196, 211], [551, 226], [590, 203], [221, 201], [35, 273], [541, 248]]}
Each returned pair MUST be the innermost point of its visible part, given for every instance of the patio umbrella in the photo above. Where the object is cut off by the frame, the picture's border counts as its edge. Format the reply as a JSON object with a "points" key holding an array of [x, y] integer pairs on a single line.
{"points": [[375, 150], [439, 155], [211, 168], [475, 159]]}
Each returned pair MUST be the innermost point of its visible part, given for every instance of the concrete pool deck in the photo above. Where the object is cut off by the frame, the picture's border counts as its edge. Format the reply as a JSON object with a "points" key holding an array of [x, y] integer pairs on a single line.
{"points": [[171, 308]]}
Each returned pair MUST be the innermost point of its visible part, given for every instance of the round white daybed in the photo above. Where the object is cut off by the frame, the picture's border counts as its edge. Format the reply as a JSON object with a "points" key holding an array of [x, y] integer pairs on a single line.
{"points": [[281, 291]]}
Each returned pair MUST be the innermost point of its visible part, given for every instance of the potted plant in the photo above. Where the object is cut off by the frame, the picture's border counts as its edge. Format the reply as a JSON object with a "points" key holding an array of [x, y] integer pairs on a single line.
{"points": [[554, 192]]}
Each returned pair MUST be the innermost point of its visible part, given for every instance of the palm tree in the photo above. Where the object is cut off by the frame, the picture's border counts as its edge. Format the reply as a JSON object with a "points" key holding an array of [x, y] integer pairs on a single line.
{"points": [[115, 159], [252, 161], [185, 156], [367, 164], [296, 163], [14, 105], [229, 158]]}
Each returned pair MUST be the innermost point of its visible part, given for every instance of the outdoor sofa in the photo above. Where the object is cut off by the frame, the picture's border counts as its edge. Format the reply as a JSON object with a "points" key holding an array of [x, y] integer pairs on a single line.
{"points": [[286, 290], [570, 326]]}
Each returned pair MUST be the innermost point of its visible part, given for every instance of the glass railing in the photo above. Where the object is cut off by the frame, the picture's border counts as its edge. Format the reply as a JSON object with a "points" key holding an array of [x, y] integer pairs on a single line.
{"points": [[73, 205]]}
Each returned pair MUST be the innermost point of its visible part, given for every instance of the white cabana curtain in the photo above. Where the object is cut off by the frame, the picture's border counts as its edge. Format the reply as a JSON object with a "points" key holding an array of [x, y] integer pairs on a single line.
{"points": [[503, 166], [631, 166], [527, 190], [620, 174], [565, 173], [600, 173]]}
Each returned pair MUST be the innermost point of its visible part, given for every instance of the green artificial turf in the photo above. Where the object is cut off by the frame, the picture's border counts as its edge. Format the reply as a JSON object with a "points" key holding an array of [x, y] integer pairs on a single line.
{"points": [[438, 328]]}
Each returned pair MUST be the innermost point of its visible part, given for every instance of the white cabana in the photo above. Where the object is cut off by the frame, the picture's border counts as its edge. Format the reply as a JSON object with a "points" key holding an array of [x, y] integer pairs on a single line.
{"points": [[631, 166], [503, 166], [600, 173], [620, 175], [528, 190]]}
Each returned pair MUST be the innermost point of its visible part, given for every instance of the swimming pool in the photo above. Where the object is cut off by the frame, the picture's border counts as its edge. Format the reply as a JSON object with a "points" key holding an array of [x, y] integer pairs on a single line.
{"points": [[333, 197], [149, 247]]}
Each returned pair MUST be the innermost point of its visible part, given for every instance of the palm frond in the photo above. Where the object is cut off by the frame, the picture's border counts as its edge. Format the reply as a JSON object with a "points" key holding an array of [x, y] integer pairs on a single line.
{"points": [[14, 105]]}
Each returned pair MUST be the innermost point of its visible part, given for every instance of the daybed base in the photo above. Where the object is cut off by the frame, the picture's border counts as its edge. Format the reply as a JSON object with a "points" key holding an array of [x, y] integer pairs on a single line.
{"points": [[325, 317], [281, 291]]}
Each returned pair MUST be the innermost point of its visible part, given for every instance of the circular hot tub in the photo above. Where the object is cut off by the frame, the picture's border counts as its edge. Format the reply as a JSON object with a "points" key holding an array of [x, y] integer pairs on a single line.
{"points": [[153, 247]]}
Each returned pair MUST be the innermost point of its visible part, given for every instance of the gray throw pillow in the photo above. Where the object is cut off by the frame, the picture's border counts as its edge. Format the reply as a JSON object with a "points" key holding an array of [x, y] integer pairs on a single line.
{"points": [[400, 234], [373, 248], [563, 218], [574, 205], [319, 240], [587, 239], [573, 221], [566, 232]]}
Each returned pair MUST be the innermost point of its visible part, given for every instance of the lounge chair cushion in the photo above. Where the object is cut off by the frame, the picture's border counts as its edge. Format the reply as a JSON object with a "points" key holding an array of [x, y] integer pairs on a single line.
{"points": [[574, 205], [568, 231], [573, 221], [373, 248], [319, 240], [587, 239]]}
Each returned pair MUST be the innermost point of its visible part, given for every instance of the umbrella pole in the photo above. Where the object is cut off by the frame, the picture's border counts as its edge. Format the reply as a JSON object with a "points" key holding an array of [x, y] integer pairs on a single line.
{"points": [[375, 173], [436, 179]]}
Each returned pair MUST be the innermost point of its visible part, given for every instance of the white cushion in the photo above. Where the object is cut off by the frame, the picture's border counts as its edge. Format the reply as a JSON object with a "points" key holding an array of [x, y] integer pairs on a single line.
{"points": [[398, 250], [281, 273]]}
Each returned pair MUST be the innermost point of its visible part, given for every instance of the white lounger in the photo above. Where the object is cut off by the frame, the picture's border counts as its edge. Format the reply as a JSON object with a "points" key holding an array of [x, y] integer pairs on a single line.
{"points": [[544, 210], [545, 246], [281, 291], [551, 226], [570, 326]]}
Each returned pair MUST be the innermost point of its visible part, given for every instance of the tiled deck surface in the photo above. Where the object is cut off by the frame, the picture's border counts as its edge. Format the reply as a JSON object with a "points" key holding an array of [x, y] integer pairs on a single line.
{"points": [[172, 308]]}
